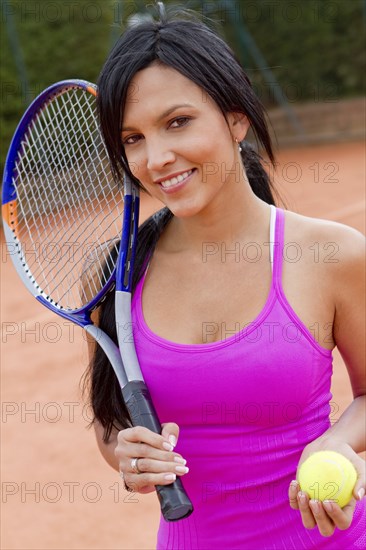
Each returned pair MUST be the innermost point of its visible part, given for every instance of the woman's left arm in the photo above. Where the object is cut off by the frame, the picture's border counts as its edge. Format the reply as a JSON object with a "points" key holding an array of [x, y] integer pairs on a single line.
{"points": [[348, 435]]}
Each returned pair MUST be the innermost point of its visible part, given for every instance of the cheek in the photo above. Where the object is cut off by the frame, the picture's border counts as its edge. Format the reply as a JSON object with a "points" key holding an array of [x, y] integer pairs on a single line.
{"points": [[218, 159], [206, 149], [135, 164], [215, 144]]}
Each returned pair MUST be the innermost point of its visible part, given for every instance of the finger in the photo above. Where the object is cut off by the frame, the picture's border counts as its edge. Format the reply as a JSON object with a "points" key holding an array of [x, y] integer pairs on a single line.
{"points": [[341, 517], [138, 481], [324, 522], [293, 491], [141, 434], [307, 517], [170, 432], [146, 465], [125, 452], [360, 485]]}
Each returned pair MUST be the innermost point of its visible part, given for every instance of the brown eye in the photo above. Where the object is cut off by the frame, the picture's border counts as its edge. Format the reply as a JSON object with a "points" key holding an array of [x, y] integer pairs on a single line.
{"points": [[179, 122], [131, 140]]}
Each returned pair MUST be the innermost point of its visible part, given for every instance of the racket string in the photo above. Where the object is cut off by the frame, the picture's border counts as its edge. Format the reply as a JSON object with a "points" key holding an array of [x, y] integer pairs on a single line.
{"points": [[69, 211], [55, 242], [72, 195]]}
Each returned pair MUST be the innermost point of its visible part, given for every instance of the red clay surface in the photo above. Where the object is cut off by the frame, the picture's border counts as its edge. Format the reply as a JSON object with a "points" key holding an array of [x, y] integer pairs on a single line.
{"points": [[57, 491]]}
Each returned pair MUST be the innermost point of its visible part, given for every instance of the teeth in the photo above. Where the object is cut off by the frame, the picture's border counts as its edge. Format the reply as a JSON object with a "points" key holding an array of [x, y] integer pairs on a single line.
{"points": [[174, 181]]}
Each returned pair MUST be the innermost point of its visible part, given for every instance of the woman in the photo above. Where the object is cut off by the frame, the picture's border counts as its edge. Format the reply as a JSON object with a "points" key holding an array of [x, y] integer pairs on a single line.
{"points": [[220, 318]]}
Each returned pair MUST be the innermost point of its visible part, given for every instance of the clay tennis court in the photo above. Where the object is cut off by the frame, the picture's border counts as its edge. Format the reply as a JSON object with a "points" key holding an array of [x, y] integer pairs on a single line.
{"points": [[57, 491]]}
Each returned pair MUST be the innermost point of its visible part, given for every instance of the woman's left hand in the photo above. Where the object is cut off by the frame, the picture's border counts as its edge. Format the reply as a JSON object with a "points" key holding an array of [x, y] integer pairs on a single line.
{"points": [[328, 516]]}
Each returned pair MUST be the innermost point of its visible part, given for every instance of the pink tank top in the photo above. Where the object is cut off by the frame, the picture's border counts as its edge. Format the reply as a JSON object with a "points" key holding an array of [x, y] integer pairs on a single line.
{"points": [[246, 406]]}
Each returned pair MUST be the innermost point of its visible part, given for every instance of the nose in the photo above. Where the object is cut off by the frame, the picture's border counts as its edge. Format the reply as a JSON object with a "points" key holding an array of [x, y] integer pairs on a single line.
{"points": [[159, 154]]}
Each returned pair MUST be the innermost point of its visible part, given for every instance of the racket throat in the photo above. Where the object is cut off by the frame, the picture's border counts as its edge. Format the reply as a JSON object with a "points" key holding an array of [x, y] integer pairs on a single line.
{"points": [[124, 327]]}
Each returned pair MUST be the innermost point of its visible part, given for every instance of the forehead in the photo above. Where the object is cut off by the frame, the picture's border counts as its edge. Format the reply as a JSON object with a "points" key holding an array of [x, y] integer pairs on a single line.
{"points": [[155, 88]]}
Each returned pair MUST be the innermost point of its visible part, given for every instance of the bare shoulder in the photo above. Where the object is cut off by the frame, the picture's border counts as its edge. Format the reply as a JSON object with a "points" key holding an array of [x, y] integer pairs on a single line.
{"points": [[329, 241]]}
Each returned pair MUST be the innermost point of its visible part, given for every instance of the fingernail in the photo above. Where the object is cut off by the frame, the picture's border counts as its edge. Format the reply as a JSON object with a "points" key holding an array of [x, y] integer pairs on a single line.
{"points": [[361, 493], [180, 460], [170, 477], [294, 483], [314, 505], [167, 446], [328, 505], [182, 469], [302, 497], [173, 440]]}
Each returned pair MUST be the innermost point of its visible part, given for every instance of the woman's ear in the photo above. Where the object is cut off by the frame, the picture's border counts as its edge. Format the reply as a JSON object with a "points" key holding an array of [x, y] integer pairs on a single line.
{"points": [[239, 125]]}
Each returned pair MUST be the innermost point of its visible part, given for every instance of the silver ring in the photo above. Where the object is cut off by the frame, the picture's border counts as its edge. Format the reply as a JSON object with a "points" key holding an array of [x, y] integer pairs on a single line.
{"points": [[134, 466]]}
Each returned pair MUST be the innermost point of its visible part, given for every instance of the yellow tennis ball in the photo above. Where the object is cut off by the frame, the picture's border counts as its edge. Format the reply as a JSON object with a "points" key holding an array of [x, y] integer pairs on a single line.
{"points": [[327, 475]]}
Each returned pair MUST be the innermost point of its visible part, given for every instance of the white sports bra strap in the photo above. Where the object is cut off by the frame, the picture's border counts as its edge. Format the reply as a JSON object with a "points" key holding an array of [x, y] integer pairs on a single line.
{"points": [[272, 233]]}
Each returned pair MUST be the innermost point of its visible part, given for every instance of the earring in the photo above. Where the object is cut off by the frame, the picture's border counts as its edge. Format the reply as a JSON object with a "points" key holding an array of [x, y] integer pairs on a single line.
{"points": [[238, 144]]}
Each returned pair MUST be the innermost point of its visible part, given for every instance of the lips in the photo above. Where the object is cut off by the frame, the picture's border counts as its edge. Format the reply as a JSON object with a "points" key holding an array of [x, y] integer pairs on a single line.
{"points": [[176, 180]]}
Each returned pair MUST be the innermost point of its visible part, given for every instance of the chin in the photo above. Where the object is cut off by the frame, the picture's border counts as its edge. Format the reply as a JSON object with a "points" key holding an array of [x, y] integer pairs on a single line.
{"points": [[187, 211]]}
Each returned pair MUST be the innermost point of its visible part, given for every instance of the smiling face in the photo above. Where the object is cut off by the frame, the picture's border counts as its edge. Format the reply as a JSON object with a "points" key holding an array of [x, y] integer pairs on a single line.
{"points": [[177, 141]]}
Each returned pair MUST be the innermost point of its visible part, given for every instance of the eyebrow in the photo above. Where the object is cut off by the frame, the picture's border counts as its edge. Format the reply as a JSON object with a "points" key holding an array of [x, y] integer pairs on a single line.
{"points": [[162, 116]]}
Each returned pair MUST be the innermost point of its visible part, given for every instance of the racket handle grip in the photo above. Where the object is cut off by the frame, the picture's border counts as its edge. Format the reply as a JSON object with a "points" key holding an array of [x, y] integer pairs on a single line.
{"points": [[174, 501]]}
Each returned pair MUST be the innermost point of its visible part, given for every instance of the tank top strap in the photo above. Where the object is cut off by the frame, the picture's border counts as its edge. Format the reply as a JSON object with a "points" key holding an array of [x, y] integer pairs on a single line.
{"points": [[278, 244]]}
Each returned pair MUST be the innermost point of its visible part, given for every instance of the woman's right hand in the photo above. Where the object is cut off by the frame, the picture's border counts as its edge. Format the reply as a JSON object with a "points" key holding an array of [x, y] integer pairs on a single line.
{"points": [[157, 461]]}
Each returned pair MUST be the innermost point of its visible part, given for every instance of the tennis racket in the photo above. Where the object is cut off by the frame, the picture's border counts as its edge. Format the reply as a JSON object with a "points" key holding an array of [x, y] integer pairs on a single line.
{"points": [[71, 231]]}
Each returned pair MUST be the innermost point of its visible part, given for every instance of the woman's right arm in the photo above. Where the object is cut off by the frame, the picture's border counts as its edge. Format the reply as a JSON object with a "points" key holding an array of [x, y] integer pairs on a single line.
{"points": [[158, 463]]}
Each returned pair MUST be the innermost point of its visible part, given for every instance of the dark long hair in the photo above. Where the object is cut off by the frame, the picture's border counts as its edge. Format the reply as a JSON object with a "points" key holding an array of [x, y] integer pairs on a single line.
{"points": [[200, 54]]}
